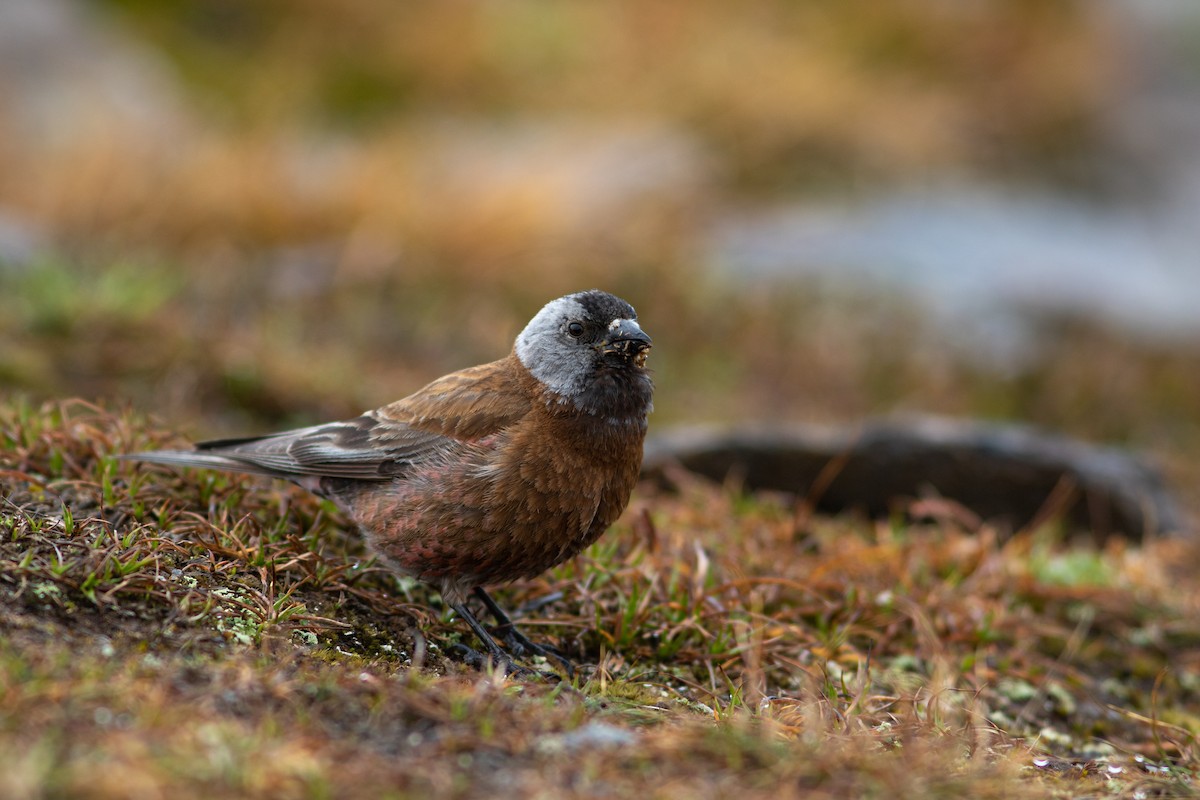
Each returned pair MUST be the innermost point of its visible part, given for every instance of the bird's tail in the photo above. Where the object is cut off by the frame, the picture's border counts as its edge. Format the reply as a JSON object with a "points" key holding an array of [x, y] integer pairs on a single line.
{"points": [[195, 458]]}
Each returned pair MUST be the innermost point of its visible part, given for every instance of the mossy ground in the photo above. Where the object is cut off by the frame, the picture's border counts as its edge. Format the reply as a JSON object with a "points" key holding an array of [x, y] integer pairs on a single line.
{"points": [[195, 634]]}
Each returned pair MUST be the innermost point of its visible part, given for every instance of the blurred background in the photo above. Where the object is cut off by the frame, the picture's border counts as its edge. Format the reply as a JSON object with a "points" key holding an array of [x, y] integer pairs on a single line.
{"points": [[245, 214]]}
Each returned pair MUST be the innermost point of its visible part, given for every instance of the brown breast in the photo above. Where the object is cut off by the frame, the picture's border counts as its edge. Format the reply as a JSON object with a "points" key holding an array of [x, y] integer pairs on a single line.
{"points": [[511, 503]]}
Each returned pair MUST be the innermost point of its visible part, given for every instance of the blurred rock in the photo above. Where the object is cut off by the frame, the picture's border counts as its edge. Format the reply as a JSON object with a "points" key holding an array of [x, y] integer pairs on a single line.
{"points": [[21, 242], [1007, 474], [983, 262], [66, 72], [592, 736]]}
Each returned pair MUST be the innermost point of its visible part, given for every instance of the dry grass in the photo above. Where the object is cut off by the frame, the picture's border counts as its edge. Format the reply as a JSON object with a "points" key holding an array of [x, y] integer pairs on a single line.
{"points": [[197, 634]]}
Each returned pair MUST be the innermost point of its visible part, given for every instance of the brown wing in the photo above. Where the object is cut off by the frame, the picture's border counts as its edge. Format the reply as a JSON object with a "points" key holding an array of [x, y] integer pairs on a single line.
{"points": [[458, 408], [468, 404]]}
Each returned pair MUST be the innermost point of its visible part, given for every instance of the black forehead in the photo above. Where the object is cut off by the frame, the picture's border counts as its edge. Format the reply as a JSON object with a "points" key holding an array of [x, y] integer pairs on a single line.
{"points": [[604, 307]]}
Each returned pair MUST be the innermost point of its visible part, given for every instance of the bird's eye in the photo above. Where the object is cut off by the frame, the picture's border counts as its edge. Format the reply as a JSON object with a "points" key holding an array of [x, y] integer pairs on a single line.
{"points": [[575, 329]]}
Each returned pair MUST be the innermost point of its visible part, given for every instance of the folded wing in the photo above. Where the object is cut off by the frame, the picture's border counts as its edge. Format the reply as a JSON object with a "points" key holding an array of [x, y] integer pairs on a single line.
{"points": [[379, 445]]}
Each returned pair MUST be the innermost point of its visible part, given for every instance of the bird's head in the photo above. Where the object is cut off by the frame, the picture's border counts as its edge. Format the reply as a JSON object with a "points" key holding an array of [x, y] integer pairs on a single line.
{"points": [[587, 347]]}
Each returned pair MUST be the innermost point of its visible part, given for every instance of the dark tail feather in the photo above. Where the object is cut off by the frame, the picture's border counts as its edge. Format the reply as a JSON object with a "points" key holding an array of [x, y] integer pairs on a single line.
{"points": [[222, 444], [192, 458]]}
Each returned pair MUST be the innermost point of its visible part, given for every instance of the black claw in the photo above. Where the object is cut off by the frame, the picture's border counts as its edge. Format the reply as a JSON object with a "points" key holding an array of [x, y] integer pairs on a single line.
{"points": [[505, 665], [472, 658], [519, 646]]}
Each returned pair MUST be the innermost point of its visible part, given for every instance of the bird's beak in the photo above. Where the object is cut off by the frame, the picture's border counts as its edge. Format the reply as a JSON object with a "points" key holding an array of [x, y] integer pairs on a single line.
{"points": [[626, 338]]}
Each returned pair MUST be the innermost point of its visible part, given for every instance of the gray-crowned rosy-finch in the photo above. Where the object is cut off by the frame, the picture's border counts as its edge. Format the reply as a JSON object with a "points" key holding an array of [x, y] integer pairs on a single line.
{"points": [[489, 474]]}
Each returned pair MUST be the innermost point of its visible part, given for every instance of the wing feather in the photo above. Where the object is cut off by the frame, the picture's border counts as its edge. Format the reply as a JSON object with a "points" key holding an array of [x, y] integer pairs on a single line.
{"points": [[379, 445]]}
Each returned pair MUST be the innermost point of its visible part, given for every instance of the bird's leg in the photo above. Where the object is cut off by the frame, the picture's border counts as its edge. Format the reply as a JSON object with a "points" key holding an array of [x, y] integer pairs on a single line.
{"points": [[498, 657], [517, 642]]}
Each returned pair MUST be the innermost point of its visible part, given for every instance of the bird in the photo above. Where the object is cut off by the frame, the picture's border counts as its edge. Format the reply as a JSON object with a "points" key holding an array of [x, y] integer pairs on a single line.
{"points": [[486, 475]]}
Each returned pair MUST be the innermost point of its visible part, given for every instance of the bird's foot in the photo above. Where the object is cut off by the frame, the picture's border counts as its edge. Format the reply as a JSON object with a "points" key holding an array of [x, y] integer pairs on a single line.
{"points": [[502, 664], [520, 646]]}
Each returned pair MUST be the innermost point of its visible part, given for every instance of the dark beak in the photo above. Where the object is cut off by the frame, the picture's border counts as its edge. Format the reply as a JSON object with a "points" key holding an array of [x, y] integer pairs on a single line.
{"points": [[628, 340]]}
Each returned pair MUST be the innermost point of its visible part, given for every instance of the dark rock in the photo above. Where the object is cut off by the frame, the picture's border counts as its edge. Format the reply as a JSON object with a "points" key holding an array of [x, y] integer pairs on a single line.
{"points": [[1010, 475]]}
